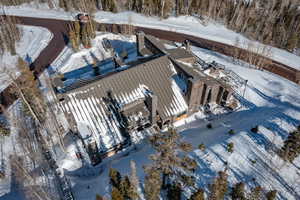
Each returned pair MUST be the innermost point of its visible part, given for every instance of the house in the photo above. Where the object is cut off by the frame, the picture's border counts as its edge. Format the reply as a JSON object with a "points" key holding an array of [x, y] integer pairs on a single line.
{"points": [[109, 109]]}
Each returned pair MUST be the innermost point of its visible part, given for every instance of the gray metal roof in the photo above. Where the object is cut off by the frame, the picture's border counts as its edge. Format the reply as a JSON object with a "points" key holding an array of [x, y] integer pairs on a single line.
{"points": [[180, 53], [155, 75]]}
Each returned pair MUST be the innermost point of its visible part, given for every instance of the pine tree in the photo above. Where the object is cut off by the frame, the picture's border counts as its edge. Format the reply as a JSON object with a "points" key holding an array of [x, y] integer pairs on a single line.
{"points": [[167, 159], [271, 195], [230, 147], [256, 193], [115, 178], [238, 192], [134, 182], [116, 194], [218, 188], [125, 187], [174, 192], [291, 147], [197, 195], [152, 184]]}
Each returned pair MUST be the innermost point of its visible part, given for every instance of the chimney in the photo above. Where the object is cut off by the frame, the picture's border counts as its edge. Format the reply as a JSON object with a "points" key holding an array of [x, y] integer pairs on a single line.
{"points": [[151, 102], [118, 62], [140, 41], [187, 45], [57, 82]]}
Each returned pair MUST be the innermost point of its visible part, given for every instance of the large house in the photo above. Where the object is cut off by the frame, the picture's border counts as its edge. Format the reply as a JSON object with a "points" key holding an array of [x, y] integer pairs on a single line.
{"points": [[162, 86]]}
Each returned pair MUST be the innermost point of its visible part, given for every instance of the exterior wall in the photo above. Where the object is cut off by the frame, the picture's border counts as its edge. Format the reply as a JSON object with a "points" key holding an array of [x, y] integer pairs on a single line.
{"points": [[194, 95], [298, 77], [152, 102], [214, 92], [188, 60]]}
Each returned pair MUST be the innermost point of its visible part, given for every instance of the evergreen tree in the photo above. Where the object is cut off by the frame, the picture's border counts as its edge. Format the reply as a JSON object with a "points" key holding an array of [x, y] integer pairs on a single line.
{"points": [[256, 193], [115, 178], [230, 147], [167, 159], [116, 194], [271, 195], [174, 192], [238, 192], [125, 187], [218, 188], [153, 184], [134, 182], [291, 147], [197, 195]]}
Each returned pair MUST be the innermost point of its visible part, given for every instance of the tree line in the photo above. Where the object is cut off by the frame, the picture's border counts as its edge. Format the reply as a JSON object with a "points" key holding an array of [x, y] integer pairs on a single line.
{"points": [[273, 22]]}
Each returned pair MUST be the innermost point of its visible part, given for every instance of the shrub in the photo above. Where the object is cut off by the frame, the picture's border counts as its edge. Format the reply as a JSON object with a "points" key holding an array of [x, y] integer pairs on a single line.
{"points": [[231, 132], [254, 129], [202, 147], [253, 161], [230, 147], [209, 126]]}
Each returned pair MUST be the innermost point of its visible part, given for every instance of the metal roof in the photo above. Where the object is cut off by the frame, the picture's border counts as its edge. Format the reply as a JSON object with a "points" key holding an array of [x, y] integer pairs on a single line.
{"points": [[155, 75]]}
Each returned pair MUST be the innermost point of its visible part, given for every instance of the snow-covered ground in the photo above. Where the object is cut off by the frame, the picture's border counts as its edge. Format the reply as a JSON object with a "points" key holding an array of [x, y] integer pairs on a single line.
{"points": [[33, 41], [97, 53], [183, 24], [270, 101]]}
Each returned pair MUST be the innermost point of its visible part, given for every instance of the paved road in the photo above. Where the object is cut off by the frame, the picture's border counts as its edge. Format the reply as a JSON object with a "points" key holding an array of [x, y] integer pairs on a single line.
{"points": [[48, 55], [59, 28]]}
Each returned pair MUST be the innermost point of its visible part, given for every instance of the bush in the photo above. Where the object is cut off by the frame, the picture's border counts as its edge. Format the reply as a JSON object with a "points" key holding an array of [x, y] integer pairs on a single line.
{"points": [[230, 147], [231, 132], [254, 129], [202, 147], [253, 161], [209, 126]]}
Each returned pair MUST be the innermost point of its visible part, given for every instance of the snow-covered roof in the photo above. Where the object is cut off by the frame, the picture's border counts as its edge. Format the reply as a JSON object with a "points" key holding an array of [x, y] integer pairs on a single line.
{"points": [[85, 103]]}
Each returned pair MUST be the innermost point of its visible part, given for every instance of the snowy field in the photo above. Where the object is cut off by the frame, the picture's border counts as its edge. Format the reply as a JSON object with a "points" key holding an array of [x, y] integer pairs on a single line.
{"points": [[33, 41], [183, 24], [270, 101]]}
